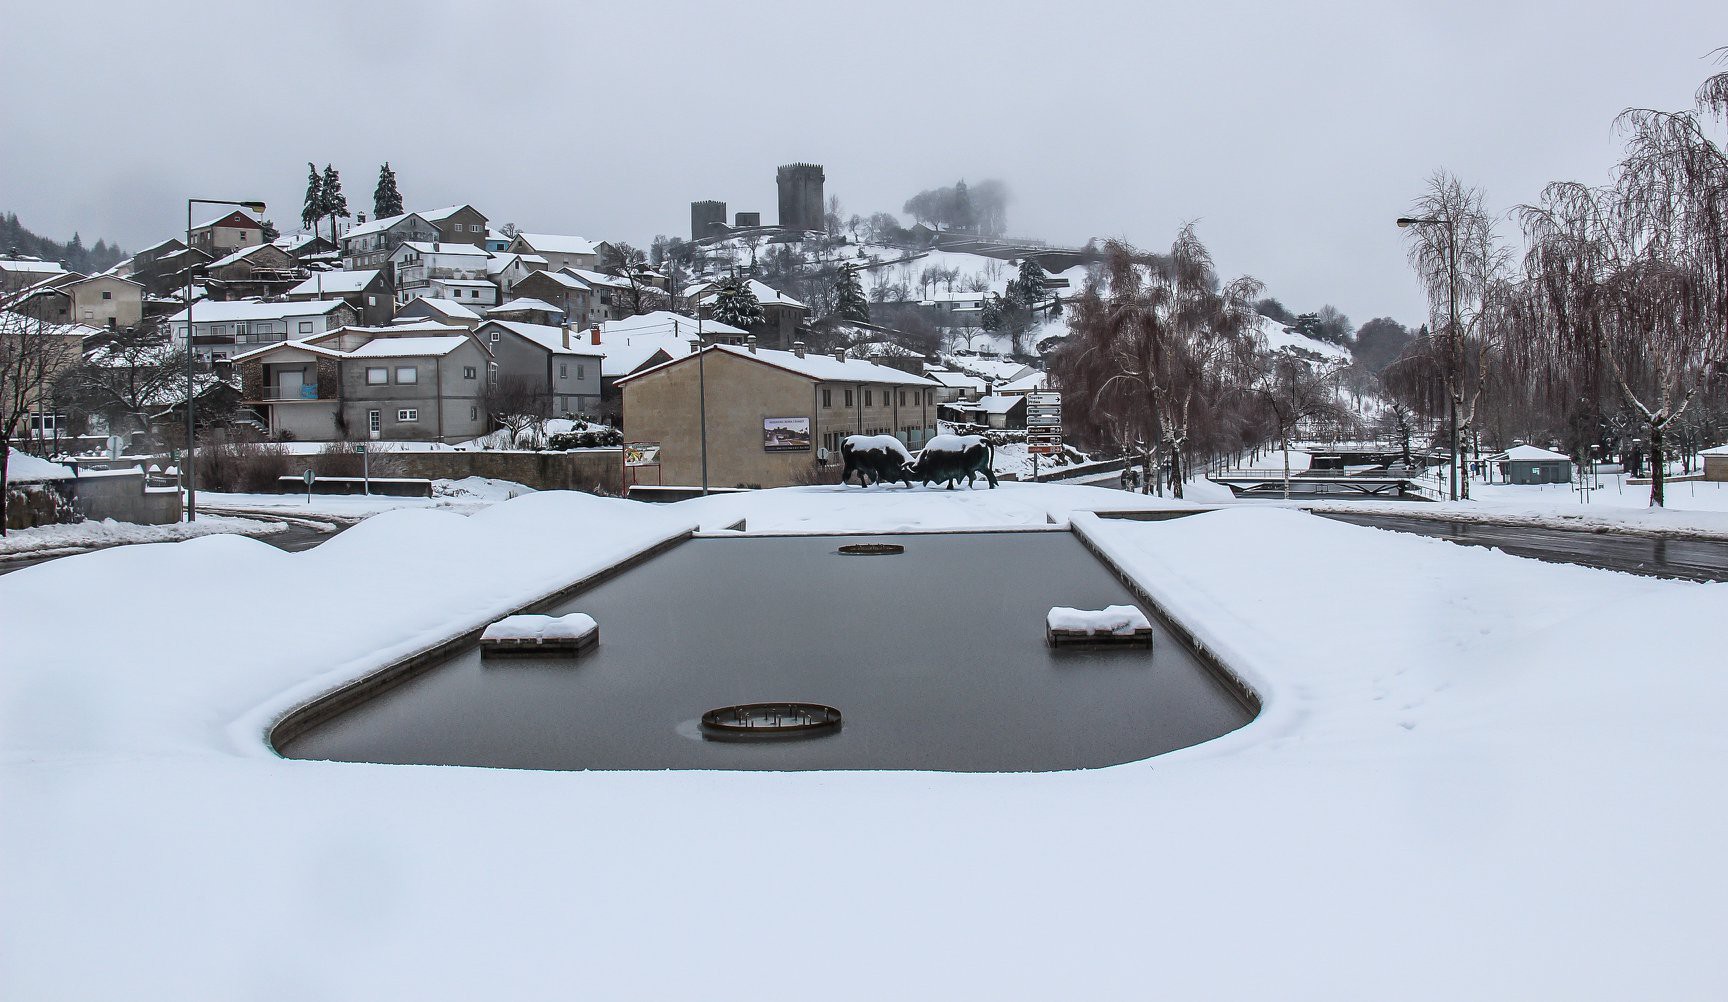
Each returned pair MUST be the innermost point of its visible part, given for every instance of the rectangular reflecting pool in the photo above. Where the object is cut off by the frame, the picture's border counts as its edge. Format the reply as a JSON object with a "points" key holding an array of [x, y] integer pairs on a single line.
{"points": [[935, 657]]}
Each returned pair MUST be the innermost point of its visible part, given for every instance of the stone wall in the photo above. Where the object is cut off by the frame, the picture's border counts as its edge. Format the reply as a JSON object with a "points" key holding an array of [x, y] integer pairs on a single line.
{"points": [[580, 470], [123, 497]]}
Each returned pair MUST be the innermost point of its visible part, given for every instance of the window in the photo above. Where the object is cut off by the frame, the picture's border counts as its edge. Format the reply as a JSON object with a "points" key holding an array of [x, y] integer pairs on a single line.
{"points": [[371, 300], [494, 335], [218, 330], [848, 398], [579, 370], [492, 373], [377, 375], [408, 414], [241, 330], [107, 295], [902, 398], [867, 398], [305, 326], [563, 371], [827, 397], [469, 372], [929, 396], [407, 374]]}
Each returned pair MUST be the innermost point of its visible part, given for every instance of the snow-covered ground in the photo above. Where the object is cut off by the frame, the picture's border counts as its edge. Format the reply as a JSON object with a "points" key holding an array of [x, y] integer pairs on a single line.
{"points": [[1475, 776], [45, 540], [465, 495]]}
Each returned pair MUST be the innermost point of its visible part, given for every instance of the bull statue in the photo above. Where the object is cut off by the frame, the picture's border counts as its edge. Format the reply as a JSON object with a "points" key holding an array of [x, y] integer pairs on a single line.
{"points": [[876, 459], [952, 458]]}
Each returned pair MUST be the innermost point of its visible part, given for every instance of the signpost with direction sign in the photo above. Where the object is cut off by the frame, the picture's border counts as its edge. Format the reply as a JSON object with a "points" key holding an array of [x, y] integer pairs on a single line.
{"points": [[310, 479], [1043, 426]]}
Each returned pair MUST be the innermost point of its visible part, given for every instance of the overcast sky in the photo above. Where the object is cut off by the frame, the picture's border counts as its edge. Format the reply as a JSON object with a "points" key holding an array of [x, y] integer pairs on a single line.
{"points": [[1293, 133]]}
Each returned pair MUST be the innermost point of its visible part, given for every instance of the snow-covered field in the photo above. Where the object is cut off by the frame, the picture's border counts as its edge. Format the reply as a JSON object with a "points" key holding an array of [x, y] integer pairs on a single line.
{"points": [[1475, 776], [465, 495]]}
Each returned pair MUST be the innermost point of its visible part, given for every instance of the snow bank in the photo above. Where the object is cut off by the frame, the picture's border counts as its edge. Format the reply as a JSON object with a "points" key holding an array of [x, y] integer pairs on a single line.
{"points": [[22, 467], [1121, 620], [45, 539]]}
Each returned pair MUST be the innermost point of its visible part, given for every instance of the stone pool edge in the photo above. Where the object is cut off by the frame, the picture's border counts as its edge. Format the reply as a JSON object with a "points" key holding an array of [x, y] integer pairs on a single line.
{"points": [[346, 695]]}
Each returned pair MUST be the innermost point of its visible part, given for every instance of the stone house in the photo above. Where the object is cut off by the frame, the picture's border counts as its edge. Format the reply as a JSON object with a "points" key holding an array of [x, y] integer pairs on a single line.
{"points": [[369, 245], [367, 291], [427, 309], [227, 233], [768, 412], [458, 224], [560, 250], [260, 271]]}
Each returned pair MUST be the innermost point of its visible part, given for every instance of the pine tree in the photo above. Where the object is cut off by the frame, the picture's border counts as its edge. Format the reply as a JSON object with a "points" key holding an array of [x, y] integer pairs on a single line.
{"points": [[313, 208], [736, 305], [850, 301], [386, 199], [334, 202]]}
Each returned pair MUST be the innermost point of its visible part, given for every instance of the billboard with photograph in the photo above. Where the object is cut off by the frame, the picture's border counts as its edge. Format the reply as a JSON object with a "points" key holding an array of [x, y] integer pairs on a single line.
{"points": [[786, 434]]}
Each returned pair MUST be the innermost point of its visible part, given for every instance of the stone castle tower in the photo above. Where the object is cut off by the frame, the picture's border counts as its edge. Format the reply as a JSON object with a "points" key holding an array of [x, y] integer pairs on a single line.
{"points": [[703, 216], [801, 203]]}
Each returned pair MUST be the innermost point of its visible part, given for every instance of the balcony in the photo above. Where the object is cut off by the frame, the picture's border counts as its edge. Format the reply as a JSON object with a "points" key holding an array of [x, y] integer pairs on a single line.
{"points": [[290, 393]]}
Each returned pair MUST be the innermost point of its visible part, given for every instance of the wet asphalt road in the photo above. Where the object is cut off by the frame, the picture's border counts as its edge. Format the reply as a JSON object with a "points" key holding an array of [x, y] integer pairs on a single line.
{"points": [[1689, 559]]}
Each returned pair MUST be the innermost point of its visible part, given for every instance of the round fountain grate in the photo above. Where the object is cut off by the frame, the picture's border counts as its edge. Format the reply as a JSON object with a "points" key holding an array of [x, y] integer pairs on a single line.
{"points": [[871, 549], [767, 721]]}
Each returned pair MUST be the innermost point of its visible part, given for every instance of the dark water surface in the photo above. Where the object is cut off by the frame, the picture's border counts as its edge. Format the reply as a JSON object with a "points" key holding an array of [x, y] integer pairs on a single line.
{"points": [[936, 658]]}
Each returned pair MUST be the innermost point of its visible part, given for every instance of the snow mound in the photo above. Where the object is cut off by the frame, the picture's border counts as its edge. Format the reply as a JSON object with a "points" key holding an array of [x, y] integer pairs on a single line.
{"points": [[574, 626], [21, 467], [1117, 620]]}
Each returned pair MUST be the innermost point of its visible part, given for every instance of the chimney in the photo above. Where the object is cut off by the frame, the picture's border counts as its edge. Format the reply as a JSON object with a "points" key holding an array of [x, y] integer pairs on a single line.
{"points": [[750, 343], [594, 333], [798, 348], [839, 354], [434, 245], [566, 339]]}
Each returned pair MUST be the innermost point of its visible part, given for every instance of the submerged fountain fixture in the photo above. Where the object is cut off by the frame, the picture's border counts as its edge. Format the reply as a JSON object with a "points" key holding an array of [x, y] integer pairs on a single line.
{"points": [[769, 721], [871, 549]]}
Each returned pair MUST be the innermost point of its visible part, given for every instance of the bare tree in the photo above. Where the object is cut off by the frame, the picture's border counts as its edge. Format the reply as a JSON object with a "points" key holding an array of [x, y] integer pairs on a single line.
{"points": [[519, 404], [1458, 255], [1289, 392], [32, 353], [134, 374]]}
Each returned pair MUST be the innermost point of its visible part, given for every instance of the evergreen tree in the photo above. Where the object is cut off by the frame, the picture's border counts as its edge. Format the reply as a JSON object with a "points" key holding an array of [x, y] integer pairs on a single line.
{"points": [[850, 301], [736, 305], [1025, 290], [270, 231], [334, 202], [386, 199], [313, 209]]}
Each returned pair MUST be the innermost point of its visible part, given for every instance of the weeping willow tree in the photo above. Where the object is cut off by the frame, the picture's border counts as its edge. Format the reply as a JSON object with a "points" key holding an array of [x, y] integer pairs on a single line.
{"points": [[1159, 351], [1629, 280]]}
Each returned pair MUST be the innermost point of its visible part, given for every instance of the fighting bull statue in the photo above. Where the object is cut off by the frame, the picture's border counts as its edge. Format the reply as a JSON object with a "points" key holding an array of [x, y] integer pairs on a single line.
{"points": [[876, 459], [953, 458]]}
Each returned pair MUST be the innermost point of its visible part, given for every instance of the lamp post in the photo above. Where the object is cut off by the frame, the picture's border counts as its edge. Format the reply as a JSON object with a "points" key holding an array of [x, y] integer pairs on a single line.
{"points": [[1455, 346], [187, 470], [702, 395]]}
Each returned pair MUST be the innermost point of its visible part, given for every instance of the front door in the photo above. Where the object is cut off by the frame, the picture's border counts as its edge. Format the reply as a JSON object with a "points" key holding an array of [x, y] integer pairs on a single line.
{"points": [[374, 423], [289, 382]]}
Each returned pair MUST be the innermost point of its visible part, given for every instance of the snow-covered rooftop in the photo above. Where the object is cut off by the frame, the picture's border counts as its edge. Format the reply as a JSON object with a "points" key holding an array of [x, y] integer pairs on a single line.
{"points": [[765, 294], [554, 339], [523, 303], [823, 368], [403, 347], [244, 310], [446, 307], [242, 254], [337, 282], [443, 248], [1530, 453], [558, 243]]}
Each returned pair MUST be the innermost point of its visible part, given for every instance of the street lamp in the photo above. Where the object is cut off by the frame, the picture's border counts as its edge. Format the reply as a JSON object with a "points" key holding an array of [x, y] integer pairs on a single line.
{"points": [[1405, 222], [187, 470]]}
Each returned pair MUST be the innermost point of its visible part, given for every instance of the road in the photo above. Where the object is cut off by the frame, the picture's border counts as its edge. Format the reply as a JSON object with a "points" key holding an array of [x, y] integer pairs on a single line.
{"points": [[1690, 559], [301, 534]]}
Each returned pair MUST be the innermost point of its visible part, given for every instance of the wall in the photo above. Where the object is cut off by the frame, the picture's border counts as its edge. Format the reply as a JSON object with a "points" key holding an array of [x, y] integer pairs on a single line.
{"points": [[1716, 468], [121, 496], [664, 407], [583, 470], [125, 308]]}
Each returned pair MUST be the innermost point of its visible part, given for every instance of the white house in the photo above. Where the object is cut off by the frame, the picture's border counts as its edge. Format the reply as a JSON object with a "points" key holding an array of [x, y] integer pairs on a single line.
{"points": [[559, 249], [219, 328], [417, 263]]}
